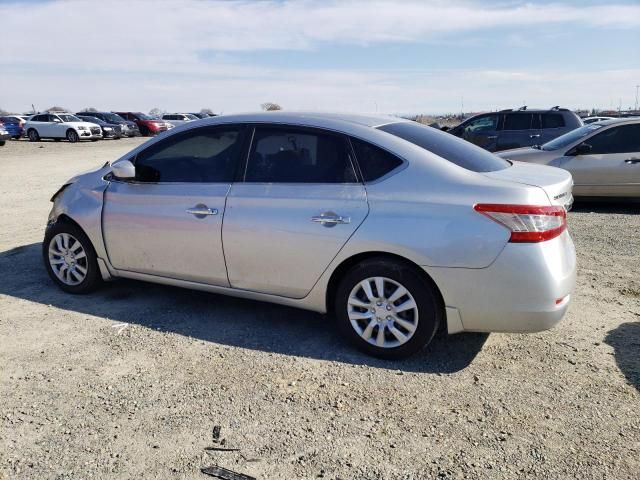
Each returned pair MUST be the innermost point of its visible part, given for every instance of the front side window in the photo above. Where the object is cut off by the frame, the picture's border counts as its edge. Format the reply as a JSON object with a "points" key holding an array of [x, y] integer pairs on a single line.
{"points": [[486, 123], [623, 139], [374, 162], [288, 155], [204, 155], [568, 138], [518, 121]]}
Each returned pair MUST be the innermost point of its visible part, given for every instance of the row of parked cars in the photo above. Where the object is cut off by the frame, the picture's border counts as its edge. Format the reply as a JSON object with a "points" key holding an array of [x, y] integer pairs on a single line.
{"points": [[88, 125]]}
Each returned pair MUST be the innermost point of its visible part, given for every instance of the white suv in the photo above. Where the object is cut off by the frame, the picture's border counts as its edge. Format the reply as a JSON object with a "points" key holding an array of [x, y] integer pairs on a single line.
{"points": [[61, 125], [177, 119]]}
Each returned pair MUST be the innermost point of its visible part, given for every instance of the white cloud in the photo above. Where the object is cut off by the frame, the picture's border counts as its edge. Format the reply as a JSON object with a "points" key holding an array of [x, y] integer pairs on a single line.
{"points": [[144, 53]]}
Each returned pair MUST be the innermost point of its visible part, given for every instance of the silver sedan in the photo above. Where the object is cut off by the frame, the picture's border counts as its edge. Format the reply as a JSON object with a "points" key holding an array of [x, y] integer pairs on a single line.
{"points": [[603, 157], [397, 229]]}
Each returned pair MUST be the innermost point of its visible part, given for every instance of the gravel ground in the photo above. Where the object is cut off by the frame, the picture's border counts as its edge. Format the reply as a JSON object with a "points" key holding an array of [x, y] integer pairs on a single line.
{"points": [[130, 381]]}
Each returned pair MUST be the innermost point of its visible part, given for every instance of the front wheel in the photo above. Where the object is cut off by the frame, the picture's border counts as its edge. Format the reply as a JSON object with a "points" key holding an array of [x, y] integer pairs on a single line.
{"points": [[72, 136], [70, 259], [387, 309]]}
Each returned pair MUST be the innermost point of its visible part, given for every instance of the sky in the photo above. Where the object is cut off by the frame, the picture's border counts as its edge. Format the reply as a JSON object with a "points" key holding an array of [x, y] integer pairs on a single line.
{"points": [[399, 57]]}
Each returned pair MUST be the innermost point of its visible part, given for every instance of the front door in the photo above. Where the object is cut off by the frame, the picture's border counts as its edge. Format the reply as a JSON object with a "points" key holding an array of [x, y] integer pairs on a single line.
{"points": [[168, 221], [519, 129], [612, 168], [298, 205], [482, 131]]}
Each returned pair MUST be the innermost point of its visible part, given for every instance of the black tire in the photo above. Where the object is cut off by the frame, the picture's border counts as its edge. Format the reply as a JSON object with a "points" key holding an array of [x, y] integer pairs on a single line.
{"points": [[430, 309], [144, 132], [92, 279], [2, 142], [33, 135], [57, 139], [72, 136]]}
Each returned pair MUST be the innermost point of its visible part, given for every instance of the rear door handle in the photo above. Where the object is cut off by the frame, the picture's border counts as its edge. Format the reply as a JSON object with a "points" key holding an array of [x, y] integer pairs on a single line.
{"points": [[201, 211], [631, 161], [492, 137], [330, 219], [534, 136]]}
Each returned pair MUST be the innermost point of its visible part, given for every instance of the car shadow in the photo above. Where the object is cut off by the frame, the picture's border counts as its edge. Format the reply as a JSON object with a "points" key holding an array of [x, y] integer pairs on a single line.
{"points": [[625, 340], [221, 319], [625, 207]]}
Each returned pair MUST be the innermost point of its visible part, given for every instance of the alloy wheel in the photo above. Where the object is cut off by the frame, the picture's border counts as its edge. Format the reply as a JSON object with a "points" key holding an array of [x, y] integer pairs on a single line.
{"points": [[68, 259], [382, 312]]}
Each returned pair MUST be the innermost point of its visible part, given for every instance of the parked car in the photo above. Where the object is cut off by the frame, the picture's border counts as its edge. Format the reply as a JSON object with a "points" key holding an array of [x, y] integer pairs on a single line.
{"points": [[148, 126], [176, 119], [202, 115], [4, 135], [516, 128], [129, 128], [13, 125], [603, 157], [61, 125], [109, 130], [395, 227], [589, 120]]}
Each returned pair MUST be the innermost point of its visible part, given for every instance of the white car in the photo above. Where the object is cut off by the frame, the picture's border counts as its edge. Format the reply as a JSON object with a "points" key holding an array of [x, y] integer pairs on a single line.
{"points": [[589, 120], [61, 125], [176, 119]]}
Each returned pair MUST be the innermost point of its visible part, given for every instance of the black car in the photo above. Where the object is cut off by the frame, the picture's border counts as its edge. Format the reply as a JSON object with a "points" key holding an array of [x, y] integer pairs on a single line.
{"points": [[507, 129], [128, 128], [109, 130]]}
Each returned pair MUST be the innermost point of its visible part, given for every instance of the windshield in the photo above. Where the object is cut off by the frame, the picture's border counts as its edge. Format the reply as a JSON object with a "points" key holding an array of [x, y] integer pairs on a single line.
{"points": [[568, 138], [113, 118], [191, 117], [143, 116], [69, 118], [458, 151]]}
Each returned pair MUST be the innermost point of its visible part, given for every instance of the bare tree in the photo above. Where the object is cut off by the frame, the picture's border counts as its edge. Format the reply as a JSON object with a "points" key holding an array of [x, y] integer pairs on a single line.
{"points": [[156, 112], [207, 111], [270, 107], [3, 111], [57, 109], [89, 109]]}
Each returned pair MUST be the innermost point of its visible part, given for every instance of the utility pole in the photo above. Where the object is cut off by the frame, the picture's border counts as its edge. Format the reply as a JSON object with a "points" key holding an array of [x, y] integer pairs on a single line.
{"points": [[636, 107]]}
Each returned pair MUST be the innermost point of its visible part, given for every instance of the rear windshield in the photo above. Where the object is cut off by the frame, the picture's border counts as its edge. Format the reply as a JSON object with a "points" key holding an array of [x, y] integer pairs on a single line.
{"points": [[458, 151]]}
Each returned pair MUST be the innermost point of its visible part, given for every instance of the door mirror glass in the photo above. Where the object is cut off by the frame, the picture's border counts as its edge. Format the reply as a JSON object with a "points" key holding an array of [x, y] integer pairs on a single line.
{"points": [[123, 170], [582, 149]]}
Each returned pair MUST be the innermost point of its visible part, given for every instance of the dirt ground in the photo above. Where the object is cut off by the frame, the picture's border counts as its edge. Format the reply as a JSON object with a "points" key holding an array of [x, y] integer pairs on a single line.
{"points": [[130, 381]]}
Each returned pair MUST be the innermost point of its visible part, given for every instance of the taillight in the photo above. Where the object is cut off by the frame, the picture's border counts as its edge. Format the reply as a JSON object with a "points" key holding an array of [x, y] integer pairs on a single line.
{"points": [[528, 224]]}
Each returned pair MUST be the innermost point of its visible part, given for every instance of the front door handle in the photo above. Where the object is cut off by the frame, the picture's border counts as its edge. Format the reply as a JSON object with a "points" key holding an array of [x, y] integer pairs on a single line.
{"points": [[534, 136], [201, 211], [330, 219], [492, 137], [631, 161]]}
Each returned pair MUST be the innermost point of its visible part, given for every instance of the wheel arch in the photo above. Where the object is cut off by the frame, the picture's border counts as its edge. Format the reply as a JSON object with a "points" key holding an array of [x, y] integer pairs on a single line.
{"points": [[339, 272]]}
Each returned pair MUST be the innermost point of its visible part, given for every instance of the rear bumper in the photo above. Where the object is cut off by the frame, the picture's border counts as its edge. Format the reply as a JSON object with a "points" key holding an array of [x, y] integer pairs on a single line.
{"points": [[526, 289]]}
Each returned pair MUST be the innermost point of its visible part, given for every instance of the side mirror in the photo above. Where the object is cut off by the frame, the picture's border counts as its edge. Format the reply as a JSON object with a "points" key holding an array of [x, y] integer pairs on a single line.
{"points": [[123, 170], [582, 149], [445, 128]]}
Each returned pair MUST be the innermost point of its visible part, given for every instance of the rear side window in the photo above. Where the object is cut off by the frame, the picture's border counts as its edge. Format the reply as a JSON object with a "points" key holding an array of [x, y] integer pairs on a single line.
{"points": [[204, 155], [458, 151], [552, 120], [287, 155], [373, 161], [517, 121]]}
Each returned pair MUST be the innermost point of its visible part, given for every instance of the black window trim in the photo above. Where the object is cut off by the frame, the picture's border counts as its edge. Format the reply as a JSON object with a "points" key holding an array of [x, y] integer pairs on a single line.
{"points": [[242, 140], [302, 128]]}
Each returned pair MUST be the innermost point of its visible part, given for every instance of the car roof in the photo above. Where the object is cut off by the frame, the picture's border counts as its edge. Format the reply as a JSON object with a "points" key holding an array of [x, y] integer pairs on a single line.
{"points": [[618, 121], [320, 119]]}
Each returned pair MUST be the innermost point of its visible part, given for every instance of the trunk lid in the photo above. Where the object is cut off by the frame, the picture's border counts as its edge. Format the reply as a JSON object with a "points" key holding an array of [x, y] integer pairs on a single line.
{"points": [[556, 183]]}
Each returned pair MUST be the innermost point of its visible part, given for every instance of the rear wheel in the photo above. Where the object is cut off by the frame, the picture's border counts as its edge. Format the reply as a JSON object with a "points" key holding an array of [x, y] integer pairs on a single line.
{"points": [[33, 135], [387, 309], [72, 136], [70, 259]]}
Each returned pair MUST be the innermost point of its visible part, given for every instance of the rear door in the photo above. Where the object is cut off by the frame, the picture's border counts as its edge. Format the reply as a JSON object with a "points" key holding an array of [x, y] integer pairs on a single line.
{"points": [[299, 203], [553, 125], [168, 221], [519, 129], [612, 168]]}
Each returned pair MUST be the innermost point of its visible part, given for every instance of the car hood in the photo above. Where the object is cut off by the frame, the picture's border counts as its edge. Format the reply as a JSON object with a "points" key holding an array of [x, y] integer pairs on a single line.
{"points": [[556, 183], [528, 154]]}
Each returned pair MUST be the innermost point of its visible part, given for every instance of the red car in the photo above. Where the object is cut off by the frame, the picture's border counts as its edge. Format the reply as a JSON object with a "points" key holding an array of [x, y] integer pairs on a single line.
{"points": [[148, 126]]}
